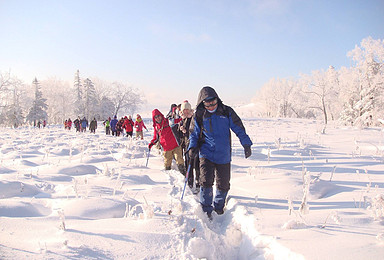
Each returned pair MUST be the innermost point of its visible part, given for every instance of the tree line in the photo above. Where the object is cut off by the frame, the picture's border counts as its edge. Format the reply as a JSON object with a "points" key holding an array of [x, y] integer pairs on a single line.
{"points": [[55, 100], [353, 95]]}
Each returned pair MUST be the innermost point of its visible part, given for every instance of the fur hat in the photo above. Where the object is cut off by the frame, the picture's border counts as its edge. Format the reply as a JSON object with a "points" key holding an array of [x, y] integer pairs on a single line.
{"points": [[186, 105]]}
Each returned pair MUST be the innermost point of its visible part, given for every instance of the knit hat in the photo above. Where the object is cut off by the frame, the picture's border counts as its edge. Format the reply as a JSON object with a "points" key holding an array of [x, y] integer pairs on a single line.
{"points": [[185, 105]]}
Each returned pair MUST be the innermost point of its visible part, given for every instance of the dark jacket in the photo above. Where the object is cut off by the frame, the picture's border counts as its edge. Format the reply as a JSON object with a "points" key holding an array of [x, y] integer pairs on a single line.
{"points": [[184, 137], [93, 125], [211, 131]]}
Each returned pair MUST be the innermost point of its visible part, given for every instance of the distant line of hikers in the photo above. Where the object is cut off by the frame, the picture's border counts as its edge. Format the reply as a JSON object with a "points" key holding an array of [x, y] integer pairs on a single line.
{"points": [[112, 126], [81, 124], [117, 127]]}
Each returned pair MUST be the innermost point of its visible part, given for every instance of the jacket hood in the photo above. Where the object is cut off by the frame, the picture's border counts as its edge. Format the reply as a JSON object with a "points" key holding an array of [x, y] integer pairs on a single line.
{"points": [[156, 112], [207, 92]]}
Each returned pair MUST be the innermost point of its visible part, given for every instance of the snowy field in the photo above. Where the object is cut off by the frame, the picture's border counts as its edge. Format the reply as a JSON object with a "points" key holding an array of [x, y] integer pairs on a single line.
{"points": [[301, 195]]}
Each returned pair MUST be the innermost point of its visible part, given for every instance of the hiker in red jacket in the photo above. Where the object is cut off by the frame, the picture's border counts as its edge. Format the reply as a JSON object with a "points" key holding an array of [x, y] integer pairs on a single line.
{"points": [[128, 126], [164, 134], [139, 125]]}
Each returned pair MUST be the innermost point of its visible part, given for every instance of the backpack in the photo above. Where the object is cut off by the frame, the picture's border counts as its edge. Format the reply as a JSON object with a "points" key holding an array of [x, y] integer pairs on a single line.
{"points": [[176, 133]]}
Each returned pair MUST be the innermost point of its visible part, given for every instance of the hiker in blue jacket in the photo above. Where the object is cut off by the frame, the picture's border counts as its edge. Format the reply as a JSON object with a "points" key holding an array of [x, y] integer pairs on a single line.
{"points": [[113, 124], [210, 136]]}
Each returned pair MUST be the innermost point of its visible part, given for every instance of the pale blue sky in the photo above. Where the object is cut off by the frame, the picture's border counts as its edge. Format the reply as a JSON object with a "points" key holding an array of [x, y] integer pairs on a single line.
{"points": [[171, 49]]}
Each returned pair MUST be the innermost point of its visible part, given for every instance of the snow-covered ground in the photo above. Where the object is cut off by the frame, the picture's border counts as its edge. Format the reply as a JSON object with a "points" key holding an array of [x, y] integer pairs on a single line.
{"points": [[301, 195]]}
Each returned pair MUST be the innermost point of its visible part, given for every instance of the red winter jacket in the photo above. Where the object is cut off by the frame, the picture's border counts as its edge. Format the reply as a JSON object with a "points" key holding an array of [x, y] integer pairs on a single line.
{"points": [[139, 124], [128, 125], [163, 133]]}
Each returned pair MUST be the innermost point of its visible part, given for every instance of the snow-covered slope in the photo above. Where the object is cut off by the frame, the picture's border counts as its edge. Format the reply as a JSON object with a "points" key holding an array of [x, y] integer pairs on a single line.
{"points": [[300, 195]]}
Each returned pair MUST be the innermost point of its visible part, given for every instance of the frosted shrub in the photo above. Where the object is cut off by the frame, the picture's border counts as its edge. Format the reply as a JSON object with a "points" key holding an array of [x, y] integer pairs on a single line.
{"points": [[127, 209], [377, 206], [148, 212], [290, 206], [333, 171], [70, 152], [137, 212], [75, 188], [62, 219], [304, 207], [278, 143], [106, 171], [117, 185], [294, 224]]}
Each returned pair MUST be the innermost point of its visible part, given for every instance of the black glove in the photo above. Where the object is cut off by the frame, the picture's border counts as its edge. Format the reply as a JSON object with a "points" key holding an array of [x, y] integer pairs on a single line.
{"points": [[247, 151], [192, 152]]}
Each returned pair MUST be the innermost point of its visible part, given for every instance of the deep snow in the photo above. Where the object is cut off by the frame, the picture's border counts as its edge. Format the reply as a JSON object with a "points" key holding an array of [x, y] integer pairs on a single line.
{"points": [[302, 194]]}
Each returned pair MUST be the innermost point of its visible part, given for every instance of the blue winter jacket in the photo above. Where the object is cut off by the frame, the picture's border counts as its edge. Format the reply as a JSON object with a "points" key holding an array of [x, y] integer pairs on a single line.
{"points": [[215, 138], [113, 124]]}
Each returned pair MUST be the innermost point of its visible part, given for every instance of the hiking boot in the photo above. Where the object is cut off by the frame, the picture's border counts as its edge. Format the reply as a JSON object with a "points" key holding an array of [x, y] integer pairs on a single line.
{"points": [[209, 215], [182, 169], [168, 168], [219, 211], [195, 191]]}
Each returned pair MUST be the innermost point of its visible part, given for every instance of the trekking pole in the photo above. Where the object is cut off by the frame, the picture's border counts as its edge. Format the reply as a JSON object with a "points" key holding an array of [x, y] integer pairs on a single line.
{"points": [[186, 179], [149, 151]]}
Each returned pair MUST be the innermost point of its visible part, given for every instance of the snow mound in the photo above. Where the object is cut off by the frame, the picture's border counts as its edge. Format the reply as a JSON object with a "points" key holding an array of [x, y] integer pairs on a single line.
{"points": [[60, 151], [17, 189], [4, 170], [100, 159], [28, 163], [324, 189], [139, 179], [18, 209], [79, 170], [294, 224], [97, 208], [200, 248]]}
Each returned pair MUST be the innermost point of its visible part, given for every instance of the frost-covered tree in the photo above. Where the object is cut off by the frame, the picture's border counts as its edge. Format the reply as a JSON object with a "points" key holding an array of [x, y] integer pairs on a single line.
{"points": [[125, 99], [301, 102], [14, 113], [59, 95], [79, 100], [5, 82], [11, 94], [368, 64], [283, 96], [323, 86], [106, 108], [91, 103], [265, 99], [349, 94], [38, 110]]}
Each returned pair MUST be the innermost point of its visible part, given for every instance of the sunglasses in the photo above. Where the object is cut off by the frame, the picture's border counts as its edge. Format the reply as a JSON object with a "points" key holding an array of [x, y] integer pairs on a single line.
{"points": [[210, 105]]}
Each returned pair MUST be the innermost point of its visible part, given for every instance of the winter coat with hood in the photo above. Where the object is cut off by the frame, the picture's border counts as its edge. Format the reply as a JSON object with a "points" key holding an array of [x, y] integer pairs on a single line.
{"points": [[84, 123], [128, 124], [113, 123], [139, 124], [163, 133], [93, 124], [213, 137]]}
